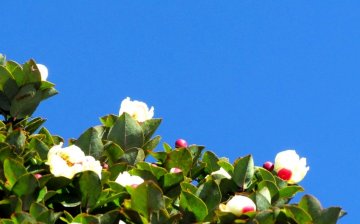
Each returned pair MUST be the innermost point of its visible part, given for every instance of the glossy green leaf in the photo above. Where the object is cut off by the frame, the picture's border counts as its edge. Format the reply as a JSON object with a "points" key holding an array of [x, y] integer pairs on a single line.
{"points": [[13, 170], [25, 101], [147, 198], [243, 171], [209, 192], [179, 158], [132, 156], [113, 152], [211, 162], [5, 75], [25, 185], [89, 184], [151, 144], [311, 205], [192, 204], [17, 138], [90, 141], [149, 127], [290, 191], [109, 120], [171, 179], [40, 147], [84, 218], [329, 216], [34, 124], [127, 133], [298, 214]]}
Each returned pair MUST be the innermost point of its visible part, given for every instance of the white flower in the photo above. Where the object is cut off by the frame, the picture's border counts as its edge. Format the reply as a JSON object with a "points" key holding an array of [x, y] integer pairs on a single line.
{"points": [[43, 71], [290, 167], [222, 172], [121, 222], [238, 205], [125, 179], [175, 170], [71, 160], [138, 110]]}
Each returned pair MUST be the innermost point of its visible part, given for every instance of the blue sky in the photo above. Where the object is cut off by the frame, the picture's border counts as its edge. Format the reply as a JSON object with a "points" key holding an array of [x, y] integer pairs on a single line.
{"points": [[239, 77]]}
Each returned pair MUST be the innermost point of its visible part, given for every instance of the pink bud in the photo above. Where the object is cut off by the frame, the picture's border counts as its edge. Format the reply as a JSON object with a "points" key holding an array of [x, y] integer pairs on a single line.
{"points": [[37, 175], [181, 143], [269, 166], [105, 166], [175, 170]]}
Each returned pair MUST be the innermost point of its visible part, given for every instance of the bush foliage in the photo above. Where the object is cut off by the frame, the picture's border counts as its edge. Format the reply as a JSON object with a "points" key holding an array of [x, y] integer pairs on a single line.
{"points": [[193, 193]]}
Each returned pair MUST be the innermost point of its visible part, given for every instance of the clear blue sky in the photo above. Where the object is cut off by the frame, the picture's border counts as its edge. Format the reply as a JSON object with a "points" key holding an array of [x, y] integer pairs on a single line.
{"points": [[238, 76]]}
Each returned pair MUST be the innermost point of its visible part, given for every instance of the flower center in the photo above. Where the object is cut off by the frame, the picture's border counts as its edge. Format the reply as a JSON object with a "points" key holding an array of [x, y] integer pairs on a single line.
{"points": [[285, 174]]}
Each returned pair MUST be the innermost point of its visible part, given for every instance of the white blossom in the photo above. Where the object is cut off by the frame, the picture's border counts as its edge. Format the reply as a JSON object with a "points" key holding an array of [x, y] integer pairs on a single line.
{"points": [[125, 179], [238, 205], [136, 109], [71, 160], [290, 167], [44, 72]]}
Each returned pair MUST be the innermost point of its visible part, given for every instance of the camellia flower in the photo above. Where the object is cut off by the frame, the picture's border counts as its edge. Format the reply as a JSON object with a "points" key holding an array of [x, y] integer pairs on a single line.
{"points": [[43, 71], [290, 167], [137, 110], [238, 205], [125, 179], [70, 160], [222, 172], [175, 170]]}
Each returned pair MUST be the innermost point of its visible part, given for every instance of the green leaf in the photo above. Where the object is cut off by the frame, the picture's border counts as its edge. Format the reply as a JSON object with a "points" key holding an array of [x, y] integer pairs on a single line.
{"points": [[243, 171], [85, 219], [127, 133], [290, 191], [40, 147], [113, 152], [108, 120], [271, 188], [17, 72], [147, 198], [90, 141], [34, 124], [36, 209], [262, 202], [311, 205], [167, 147], [265, 174], [193, 204], [23, 217], [211, 162], [133, 156], [209, 192], [31, 73], [89, 184], [151, 144], [299, 215], [17, 138], [149, 127], [265, 216], [171, 179], [179, 158], [5, 75], [329, 216], [25, 185], [25, 102], [13, 170]]}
